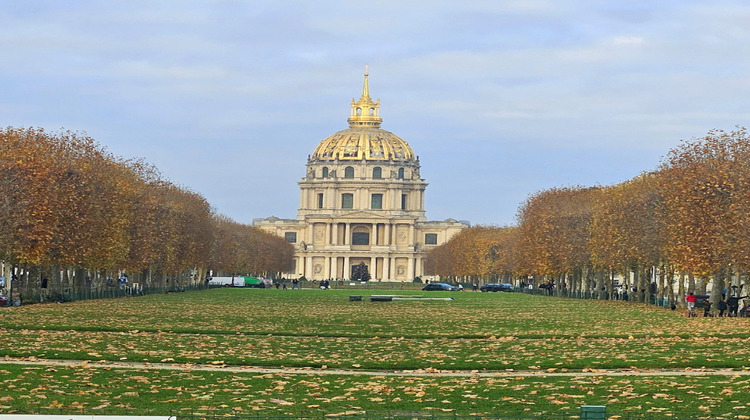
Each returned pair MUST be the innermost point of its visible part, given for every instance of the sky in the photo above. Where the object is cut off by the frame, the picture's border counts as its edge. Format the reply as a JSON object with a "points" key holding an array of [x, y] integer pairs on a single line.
{"points": [[499, 99]]}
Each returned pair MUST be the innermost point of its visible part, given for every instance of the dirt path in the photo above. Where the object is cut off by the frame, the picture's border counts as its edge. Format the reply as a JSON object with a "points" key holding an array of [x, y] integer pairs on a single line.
{"points": [[353, 372]]}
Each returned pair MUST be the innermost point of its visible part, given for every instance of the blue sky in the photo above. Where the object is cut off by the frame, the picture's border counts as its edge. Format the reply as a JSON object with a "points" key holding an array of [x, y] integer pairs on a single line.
{"points": [[500, 99]]}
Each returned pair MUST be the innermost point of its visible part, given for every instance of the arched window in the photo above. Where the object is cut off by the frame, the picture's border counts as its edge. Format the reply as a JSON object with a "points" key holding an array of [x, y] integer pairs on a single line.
{"points": [[359, 111], [377, 173], [400, 173], [372, 111], [325, 172], [349, 172]]}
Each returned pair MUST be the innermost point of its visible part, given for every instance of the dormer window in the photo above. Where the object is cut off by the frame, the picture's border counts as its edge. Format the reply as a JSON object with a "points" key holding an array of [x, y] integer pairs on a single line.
{"points": [[325, 172], [400, 173], [349, 172], [377, 173]]}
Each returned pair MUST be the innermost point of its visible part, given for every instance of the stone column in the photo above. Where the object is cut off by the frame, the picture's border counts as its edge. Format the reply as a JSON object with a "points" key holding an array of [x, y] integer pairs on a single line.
{"points": [[387, 238], [410, 269], [347, 270], [375, 234], [412, 240], [347, 234], [308, 268], [327, 268], [373, 267], [335, 239], [419, 268], [328, 234], [387, 268], [300, 266]]}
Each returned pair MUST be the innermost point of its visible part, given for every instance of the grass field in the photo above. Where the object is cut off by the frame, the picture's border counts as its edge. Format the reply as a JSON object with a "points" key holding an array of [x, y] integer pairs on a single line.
{"points": [[518, 354]]}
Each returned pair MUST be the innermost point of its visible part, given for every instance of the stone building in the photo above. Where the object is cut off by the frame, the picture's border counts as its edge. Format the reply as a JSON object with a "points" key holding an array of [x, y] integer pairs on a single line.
{"points": [[362, 200]]}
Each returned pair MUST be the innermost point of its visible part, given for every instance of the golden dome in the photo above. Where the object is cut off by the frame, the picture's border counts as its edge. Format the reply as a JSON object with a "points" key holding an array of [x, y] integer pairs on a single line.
{"points": [[364, 139], [363, 143]]}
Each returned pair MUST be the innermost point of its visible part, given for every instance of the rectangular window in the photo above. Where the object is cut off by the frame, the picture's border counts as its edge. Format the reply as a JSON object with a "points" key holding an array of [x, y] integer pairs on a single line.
{"points": [[360, 238], [377, 201], [320, 200], [403, 201], [290, 237], [347, 201], [430, 239]]}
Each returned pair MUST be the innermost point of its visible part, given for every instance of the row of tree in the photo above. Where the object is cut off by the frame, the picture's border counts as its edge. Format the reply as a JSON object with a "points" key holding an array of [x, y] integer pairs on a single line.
{"points": [[689, 219], [71, 210]]}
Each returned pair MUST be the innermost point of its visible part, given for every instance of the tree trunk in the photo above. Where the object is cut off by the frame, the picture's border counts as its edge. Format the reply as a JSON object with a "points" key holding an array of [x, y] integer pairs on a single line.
{"points": [[681, 292], [700, 285], [638, 286], [669, 272], [661, 285], [600, 284], [718, 284]]}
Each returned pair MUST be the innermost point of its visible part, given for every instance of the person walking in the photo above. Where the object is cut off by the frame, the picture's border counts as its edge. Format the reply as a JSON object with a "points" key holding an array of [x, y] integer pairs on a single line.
{"points": [[734, 304], [690, 300], [706, 308], [722, 308]]}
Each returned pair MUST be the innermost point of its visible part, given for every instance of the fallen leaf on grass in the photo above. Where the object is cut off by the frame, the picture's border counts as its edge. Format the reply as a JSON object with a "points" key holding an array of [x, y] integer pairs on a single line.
{"points": [[281, 402]]}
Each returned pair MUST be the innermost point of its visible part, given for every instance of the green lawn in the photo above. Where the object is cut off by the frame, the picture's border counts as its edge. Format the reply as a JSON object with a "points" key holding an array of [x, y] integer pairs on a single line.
{"points": [[498, 332]]}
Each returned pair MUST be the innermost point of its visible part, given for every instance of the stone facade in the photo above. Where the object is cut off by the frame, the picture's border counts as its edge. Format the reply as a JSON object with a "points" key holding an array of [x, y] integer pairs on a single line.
{"points": [[362, 200]]}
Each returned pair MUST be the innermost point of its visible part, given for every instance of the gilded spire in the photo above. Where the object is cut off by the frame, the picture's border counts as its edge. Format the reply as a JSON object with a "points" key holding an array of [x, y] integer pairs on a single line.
{"points": [[366, 87], [365, 112]]}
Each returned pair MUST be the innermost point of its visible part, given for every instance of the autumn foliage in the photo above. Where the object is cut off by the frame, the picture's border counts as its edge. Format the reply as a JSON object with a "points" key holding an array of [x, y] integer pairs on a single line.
{"points": [[690, 217], [478, 252], [68, 204]]}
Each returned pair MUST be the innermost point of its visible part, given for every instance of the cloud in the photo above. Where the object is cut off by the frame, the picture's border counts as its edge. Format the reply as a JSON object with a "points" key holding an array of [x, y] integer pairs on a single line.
{"points": [[627, 41], [524, 95]]}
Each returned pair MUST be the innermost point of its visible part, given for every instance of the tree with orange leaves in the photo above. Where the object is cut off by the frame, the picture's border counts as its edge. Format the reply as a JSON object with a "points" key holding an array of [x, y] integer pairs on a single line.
{"points": [[627, 230], [553, 236], [706, 190], [70, 210], [246, 249], [480, 253]]}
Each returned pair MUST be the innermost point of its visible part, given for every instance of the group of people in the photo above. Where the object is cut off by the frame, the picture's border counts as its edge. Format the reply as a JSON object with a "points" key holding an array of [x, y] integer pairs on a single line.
{"points": [[727, 307], [282, 284]]}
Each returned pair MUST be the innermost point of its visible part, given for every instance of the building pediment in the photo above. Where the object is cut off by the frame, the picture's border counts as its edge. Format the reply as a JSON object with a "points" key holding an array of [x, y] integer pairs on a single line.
{"points": [[362, 215]]}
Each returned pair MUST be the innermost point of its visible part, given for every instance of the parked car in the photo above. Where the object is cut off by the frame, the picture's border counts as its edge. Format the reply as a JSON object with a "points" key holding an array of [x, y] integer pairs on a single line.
{"points": [[439, 286], [497, 287]]}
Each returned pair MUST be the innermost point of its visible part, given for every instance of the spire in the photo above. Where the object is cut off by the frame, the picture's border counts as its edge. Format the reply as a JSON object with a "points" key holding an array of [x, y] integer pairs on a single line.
{"points": [[366, 87], [365, 112]]}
